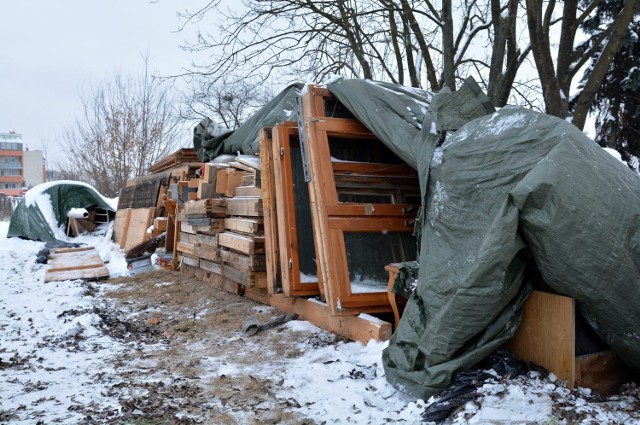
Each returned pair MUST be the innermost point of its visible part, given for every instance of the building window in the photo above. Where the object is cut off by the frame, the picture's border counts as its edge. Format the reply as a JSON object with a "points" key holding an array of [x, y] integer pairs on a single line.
{"points": [[13, 146]]}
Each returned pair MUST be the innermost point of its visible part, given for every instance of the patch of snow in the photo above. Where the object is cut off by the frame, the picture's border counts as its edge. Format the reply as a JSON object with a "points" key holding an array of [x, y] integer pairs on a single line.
{"points": [[614, 153]]}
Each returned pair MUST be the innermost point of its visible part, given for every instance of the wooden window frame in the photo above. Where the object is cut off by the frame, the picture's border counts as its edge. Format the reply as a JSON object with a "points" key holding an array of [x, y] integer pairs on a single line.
{"points": [[331, 218]]}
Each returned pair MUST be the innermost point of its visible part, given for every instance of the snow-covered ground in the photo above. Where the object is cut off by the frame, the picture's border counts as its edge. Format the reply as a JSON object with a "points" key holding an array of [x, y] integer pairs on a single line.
{"points": [[47, 373]]}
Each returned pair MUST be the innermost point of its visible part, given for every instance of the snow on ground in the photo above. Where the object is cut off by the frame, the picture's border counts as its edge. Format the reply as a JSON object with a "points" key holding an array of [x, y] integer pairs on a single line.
{"points": [[50, 355]]}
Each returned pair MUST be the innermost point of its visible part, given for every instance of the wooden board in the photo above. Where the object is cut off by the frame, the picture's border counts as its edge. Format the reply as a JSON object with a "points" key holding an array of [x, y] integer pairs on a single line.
{"points": [[242, 261], [188, 260], [206, 239], [75, 263], [248, 191], [131, 226], [245, 206], [186, 248], [207, 252], [361, 328], [242, 243], [206, 207], [251, 226], [190, 238], [269, 213], [546, 334]]}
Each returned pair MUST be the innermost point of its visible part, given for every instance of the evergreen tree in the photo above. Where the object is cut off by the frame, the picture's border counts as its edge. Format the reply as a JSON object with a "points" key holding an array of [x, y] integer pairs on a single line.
{"points": [[617, 102]]}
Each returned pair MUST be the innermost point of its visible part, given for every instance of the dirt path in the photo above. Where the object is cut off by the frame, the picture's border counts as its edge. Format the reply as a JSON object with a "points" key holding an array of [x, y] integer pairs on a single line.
{"points": [[187, 359]]}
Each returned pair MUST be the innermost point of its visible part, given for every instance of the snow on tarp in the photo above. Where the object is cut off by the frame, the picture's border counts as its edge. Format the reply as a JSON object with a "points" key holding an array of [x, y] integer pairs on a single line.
{"points": [[511, 200], [42, 214]]}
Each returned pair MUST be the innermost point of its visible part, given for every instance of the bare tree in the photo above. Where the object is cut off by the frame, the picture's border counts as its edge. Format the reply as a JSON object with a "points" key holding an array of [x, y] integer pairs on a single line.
{"points": [[127, 124], [420, 43], [228, 102], [557, 71]]}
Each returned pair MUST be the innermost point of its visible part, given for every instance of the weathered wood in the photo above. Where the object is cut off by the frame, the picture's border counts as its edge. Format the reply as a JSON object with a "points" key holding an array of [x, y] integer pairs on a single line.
{"points": [[208, 252], [249, 206], [546, 334], [251, 226], [244, 262], [227, 180], [248, 191], [206, 239], [186, 248], [216, 225], [76, 263], [205, 190], [181, 156], [160, 223], [269, 206], [134, 231], [209, 207], [211, 266], [183, 258], [144, 194], [242, 243], [361, 328], [189, 238]]}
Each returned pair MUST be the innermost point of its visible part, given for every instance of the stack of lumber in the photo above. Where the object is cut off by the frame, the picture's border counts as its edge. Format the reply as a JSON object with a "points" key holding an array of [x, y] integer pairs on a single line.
{"points": [[223, 235], [200, 222], [179, 157]]}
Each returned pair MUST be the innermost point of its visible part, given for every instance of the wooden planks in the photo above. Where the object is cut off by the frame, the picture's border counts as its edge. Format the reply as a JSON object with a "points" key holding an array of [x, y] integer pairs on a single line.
{"points": [[130, 227], [75, 263], [244, 244]]}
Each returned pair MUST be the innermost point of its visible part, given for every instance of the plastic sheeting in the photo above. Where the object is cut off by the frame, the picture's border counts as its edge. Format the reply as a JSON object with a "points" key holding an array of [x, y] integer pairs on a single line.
{"points": [[46, 206], [508, 196], [246, 139]]}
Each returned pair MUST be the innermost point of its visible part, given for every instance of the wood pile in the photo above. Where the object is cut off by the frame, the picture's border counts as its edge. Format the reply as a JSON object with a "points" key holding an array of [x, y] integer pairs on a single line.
{"points": [[221, 226], [178, 158]]}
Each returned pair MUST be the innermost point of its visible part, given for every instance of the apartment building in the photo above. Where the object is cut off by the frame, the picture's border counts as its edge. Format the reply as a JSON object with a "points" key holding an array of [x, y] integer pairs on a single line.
{"points": [[11, 164], [34, 168]]}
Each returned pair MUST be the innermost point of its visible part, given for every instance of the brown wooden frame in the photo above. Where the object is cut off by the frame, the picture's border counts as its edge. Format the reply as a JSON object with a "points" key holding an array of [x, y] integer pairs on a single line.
{"points": [[285, 206], [331, 218]]}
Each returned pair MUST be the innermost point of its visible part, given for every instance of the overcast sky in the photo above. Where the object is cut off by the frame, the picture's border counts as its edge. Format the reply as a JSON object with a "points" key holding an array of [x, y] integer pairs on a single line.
{"points": [[53, 51]]}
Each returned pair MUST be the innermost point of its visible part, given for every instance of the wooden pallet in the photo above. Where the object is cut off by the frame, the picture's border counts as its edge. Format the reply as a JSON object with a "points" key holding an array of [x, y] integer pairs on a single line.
{"points": [[75, 263]]}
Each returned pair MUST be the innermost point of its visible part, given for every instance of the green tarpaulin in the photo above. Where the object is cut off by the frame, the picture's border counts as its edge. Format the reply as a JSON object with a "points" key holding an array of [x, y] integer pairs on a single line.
{"points": [[245, 139], [44, 208], [508, 196]]}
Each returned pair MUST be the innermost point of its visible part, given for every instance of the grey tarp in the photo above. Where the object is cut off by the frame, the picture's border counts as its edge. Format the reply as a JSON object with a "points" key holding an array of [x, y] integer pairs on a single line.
{"points": [[507, 194], [245, 139], [28, 221]]}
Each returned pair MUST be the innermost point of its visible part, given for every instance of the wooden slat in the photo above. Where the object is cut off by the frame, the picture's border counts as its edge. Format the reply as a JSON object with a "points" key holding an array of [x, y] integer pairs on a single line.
{"points": [[242, 261], [208, 252], [186, 248], [249, 206], [269, 206], [242, 243], [251, 226]]}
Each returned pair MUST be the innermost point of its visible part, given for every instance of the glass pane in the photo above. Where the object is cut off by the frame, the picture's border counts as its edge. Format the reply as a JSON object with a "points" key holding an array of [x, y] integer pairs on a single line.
{"points": [[304, 226], [369, 252]]}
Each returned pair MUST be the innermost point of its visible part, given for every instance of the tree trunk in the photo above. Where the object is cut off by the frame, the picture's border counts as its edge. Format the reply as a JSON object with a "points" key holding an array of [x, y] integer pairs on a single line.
{"points": [[554, 101], [587, 96]]}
